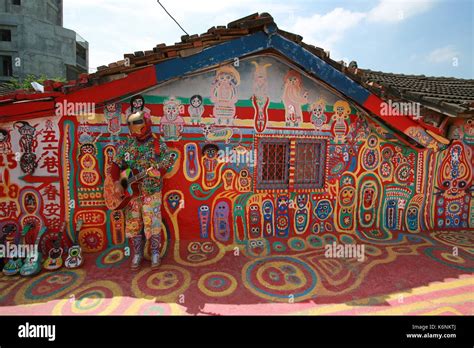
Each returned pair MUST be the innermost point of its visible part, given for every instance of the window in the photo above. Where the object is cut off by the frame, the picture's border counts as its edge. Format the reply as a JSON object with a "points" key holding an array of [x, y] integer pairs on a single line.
{"points": [[7, 67], [307, 158], [16, 2], [5, 35], [273, 166], [309, 164]]}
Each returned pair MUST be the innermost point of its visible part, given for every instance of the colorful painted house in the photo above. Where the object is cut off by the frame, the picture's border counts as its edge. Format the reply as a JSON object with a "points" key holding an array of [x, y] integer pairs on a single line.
{"points": [[274, 144]]}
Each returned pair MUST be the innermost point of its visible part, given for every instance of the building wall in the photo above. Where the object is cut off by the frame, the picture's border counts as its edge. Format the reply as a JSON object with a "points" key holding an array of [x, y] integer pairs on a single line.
{"points": [[40, 45], [374, 184]]}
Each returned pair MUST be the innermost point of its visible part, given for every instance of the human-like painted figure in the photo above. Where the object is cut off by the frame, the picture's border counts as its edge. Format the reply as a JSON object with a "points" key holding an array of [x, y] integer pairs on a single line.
{"points": [[143, 152]]}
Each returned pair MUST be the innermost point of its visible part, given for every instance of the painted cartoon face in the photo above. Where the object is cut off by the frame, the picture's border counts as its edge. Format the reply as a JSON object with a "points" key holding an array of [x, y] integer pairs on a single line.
{"points": [[267, 209], [138, 103], [323, 209], [257, 247], [293, 80], [171, 111], [318, 109], [196, 102], [254, 216], [111, 107], [173, 200], [30, 203], [87, 149], [347, 195], [210, 152], [369, 193], [222, 209], [282, 202], [226, 79], [301, 200]]}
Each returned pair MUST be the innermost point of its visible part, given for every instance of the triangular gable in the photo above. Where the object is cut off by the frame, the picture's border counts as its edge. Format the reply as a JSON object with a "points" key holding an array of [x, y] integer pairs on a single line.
{"points": [[260, 41]]}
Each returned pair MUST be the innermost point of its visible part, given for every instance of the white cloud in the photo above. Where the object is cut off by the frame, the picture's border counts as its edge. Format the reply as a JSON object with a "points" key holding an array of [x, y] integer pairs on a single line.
{"points": [[398, 10], [443, 55], [325, 30]]}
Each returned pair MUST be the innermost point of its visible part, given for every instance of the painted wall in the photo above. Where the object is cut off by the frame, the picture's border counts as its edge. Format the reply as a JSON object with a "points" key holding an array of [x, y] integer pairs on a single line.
{"points": [[374, 183]]}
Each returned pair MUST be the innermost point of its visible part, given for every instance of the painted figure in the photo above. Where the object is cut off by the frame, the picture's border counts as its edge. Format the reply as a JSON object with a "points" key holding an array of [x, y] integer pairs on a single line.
{"points": [[294, 97], [210, 166], [282, 216], [340, 129], [195, 109], [224, 91], [260, 99], [221, 221], [318, 118], [172, 124], [145, 155]]}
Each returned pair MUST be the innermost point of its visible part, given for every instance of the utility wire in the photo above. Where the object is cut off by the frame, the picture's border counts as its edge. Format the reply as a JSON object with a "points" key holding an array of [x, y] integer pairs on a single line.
{"points": [[172, 17]]}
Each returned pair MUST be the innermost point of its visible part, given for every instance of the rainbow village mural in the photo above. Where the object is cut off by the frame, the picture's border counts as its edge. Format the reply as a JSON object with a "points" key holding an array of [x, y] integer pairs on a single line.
{"points": [[272, 146]]}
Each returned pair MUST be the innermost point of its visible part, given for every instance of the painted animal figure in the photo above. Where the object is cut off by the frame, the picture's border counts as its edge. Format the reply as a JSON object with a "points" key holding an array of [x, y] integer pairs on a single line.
{"points": [[214, 134]]}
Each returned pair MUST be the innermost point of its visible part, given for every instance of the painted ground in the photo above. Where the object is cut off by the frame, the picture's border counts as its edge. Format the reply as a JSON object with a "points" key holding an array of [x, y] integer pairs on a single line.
{"points": [[410, 274]]}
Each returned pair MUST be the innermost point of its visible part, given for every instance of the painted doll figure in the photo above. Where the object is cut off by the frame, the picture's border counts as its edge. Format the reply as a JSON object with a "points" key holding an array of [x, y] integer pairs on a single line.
{"points": [[195, 109], [172, 124], [143, 152]]}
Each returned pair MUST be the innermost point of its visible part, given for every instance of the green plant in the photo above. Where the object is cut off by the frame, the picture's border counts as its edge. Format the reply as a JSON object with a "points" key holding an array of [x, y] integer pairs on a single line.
{"points": [[25, 83]]}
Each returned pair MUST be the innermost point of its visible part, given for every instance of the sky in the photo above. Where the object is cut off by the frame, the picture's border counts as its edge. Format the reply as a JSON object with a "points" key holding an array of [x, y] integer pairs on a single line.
{"points": [[428, 37]]}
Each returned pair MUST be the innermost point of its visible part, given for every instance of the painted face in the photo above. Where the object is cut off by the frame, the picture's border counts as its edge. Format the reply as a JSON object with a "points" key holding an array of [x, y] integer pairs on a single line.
{"points": [[139, 125], [211, 152], [111, 107], [347, 195], [323, 210], [171, 111], [282, 202], [225, 78], [301, 200], [196, 102], [138, 104]]}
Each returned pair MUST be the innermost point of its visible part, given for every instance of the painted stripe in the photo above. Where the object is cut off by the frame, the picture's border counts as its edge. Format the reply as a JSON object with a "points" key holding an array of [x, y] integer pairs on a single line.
{"points": [[211, 56]]}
